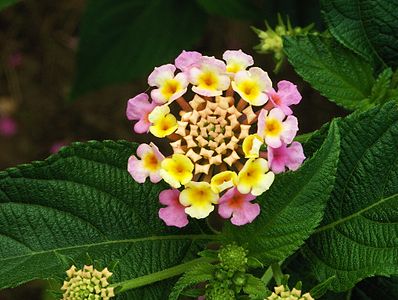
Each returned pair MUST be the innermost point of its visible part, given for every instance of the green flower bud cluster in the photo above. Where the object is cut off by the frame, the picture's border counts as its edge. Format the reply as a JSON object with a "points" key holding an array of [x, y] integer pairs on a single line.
{"points": [[230, 276], [271, 40], [87, 284], [284, 293]]}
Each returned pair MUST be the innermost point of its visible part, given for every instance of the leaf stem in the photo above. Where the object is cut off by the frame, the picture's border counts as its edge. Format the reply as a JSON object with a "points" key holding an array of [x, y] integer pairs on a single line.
{"points": [[266, 278], [157, 276]]}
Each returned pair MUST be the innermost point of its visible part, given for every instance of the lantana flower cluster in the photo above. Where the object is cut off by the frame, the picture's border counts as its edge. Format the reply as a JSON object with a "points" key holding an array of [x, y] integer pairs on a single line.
{"points": [[87, 283], [229, 129]]}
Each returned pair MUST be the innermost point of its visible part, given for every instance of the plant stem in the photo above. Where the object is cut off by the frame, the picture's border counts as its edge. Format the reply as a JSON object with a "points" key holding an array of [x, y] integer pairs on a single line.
{"points": [[266, 278], [278, 275], [157, 276]]}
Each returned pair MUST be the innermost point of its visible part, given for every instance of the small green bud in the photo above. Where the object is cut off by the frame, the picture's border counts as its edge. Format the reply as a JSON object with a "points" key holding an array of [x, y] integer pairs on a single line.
{"points": [[219, 291], [220, 275], [239, 279], [233, 258]]}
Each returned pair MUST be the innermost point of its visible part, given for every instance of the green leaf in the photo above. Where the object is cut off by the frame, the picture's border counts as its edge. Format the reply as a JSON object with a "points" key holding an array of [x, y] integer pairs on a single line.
{"points": [[200, 273], [292, 208], [81, 206], [320, 289], [123, 40], [358, 236], [333, 70], [368, 27], [7, 3], [381, 86], [254, 287]]}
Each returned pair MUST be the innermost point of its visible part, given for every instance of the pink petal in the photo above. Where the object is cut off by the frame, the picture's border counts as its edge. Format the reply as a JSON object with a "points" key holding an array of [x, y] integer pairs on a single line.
{"points": [[136, 169], [224, 210], [282, 157], [214, 63], [174, 214], [142, 149], [205, 92], [276, 113], [157, 152], [246, 215], [277, 158], [242, 213], [290, 129], [261, 122], [288, 92], [142, 126], [136, 105], [296, 156], [155, 177], [238, 55], [160, 74], [187, 60], [169, 197]]}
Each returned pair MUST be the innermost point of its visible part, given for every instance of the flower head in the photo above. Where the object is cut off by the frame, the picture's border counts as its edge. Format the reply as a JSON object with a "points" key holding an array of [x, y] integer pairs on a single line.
{"points": [[286, 95], [87, 283], [285, 157], [275, 129], [199, 199], [149, 165], [238, 205], [169, 87], [216, 136], [174, 214], [138, 109]]}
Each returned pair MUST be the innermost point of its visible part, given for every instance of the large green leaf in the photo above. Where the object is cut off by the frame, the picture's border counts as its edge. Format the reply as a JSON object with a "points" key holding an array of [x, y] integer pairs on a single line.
{"points": [[368, 27], [125, 39], [292, 208], [335, 71], [358, 236], [82, 206]]}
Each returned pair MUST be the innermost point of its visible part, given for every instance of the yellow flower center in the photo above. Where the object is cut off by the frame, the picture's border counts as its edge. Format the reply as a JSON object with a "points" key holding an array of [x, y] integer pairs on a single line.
{"points": [[233, 67], [208, 80], [177, 170], [151, 162], [164, 126], [251, 173], [250, 89], [273, 127], [170, 87]]}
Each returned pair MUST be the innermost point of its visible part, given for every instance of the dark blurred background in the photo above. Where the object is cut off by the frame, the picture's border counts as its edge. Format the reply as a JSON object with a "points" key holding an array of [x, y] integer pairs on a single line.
{"points": [[43, 106]]}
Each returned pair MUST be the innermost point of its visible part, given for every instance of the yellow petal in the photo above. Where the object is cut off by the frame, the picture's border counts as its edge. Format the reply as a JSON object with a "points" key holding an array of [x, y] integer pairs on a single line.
{"points": [[223, 181], [251, 145]]}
